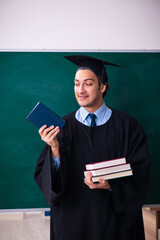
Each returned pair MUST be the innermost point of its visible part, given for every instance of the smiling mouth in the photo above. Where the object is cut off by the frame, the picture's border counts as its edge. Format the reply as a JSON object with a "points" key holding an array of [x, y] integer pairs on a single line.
{"points": [[82, 97]]}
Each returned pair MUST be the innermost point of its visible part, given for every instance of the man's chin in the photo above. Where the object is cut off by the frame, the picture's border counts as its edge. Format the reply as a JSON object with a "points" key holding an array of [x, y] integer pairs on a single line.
{"points": [[82, 104]]}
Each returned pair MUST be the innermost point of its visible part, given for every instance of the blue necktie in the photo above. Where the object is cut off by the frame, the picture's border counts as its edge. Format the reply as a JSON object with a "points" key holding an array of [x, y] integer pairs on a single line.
{"points": [[92, 117]]}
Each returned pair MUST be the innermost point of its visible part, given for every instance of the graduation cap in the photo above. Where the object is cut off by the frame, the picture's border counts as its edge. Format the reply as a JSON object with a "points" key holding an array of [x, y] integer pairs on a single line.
{"points": [[97, 66]]}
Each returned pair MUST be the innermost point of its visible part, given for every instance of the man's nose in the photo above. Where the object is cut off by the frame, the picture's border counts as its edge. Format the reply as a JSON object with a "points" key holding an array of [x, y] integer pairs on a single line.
{"points": [[81, 88]]}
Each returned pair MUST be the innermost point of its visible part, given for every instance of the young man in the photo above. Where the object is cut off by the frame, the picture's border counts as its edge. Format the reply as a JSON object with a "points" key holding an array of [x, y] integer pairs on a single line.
{"points": [[81, 209]]}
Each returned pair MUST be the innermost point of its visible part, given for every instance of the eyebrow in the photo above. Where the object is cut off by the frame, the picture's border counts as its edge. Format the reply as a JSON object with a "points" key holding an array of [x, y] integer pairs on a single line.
{"points": [[87, 79]]}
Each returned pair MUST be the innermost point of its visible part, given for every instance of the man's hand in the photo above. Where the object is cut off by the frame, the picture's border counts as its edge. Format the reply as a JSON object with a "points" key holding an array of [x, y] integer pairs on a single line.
{"points": [[103, 184], [49, 135]]}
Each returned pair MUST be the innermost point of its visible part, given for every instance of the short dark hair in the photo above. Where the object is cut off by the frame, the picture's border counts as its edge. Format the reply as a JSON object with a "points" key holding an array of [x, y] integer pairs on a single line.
{"points": [[100, 81]]}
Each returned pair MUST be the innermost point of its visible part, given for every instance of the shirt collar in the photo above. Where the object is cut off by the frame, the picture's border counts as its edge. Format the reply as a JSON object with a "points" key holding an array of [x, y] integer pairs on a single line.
{"points": [[83, 113]]}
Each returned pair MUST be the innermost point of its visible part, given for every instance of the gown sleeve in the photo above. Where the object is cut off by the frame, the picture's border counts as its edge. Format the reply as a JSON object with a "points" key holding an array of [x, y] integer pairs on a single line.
{"points": [[129, 193], [52, 190]]}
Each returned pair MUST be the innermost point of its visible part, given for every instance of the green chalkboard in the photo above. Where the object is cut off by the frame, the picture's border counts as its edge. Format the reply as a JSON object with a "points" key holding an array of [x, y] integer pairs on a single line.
{"points": [[29, 77]]}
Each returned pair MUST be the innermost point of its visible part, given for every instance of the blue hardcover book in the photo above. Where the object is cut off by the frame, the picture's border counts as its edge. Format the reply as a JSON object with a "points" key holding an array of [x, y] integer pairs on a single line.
{"points": [[41, 115]]}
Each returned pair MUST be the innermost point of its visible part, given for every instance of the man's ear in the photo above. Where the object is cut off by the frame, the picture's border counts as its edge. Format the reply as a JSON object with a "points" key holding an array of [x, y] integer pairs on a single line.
{"points": [[103, 87]]}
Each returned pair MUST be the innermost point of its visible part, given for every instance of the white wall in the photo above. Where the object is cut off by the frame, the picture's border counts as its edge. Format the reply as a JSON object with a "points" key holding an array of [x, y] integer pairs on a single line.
{"points": [[80, 25]]}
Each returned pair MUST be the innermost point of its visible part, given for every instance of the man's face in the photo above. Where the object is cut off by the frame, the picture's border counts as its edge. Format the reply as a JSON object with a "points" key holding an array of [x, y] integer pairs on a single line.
{"points": [[87, 90]]}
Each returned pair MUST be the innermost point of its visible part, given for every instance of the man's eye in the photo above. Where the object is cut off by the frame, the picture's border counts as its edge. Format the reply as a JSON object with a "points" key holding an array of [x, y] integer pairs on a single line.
{"points": [[89, 84]]}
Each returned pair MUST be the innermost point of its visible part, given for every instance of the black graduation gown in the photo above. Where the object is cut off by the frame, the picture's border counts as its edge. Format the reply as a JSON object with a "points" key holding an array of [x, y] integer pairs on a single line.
{"points": [[77, 212]]}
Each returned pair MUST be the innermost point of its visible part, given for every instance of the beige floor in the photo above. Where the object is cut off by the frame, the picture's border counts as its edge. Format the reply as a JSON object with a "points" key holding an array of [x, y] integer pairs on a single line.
{"points": [[26, 226], [32, 226]]}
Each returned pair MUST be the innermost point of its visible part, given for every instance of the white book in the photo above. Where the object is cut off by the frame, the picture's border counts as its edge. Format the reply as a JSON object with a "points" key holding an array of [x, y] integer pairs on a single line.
{"points": [[105, 164], [113, 175], [107, 170]]}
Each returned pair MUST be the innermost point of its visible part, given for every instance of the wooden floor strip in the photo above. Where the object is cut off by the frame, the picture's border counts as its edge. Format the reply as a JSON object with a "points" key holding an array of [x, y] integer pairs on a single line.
{"points": [[33, 226]]}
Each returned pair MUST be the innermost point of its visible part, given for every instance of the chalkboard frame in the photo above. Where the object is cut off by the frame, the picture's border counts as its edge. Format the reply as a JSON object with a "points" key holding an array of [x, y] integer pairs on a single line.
{"points": [[29, 77]]}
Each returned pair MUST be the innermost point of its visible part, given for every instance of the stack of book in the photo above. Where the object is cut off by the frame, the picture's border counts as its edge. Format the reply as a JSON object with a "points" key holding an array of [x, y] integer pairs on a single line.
{"points": [[109, 169]]}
